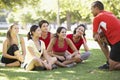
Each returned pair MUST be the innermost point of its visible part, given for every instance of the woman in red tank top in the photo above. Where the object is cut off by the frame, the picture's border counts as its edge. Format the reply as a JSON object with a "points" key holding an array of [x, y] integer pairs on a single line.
{"points": [[78, 39], [58, 47]]}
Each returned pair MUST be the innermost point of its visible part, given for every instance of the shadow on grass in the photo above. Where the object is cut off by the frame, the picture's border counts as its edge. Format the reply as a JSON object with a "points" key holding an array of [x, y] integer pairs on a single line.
{"points": [[84, 71]]}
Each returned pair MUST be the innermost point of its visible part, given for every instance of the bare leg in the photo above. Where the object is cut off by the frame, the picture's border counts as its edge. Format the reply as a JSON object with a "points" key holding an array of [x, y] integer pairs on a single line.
{"points": [[114, 65], [60, 64], [31, 65], [69, 61], [14, 64], [75, 58], [19, 56], [105, 50], [51, 60]]}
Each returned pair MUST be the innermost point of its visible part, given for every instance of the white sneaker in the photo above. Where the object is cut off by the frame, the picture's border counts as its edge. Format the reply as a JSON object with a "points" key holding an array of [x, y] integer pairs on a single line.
{"points": [[23, 65], [2, 64]]}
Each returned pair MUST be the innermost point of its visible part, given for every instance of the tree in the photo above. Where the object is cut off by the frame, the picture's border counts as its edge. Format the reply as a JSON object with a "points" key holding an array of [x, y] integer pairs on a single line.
{"points": [[112, 5], [32, 11]]}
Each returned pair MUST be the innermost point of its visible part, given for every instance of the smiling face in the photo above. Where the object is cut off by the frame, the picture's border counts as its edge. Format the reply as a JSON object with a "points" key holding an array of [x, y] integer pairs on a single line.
{"points": [[80, 30], [62, 33], [15, 29], [37, 32]]}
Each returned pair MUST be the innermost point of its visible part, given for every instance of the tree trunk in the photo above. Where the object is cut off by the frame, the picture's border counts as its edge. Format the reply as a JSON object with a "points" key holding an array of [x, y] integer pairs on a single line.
{"points": [[68, 15]]}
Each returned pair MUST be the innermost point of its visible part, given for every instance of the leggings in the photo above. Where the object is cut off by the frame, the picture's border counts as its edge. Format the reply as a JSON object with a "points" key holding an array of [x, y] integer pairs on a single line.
{"points": [[10, 51]]}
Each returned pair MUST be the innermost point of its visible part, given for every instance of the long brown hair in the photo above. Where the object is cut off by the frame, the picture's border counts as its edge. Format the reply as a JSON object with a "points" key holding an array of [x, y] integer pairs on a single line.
{"points": [[9, 32]]}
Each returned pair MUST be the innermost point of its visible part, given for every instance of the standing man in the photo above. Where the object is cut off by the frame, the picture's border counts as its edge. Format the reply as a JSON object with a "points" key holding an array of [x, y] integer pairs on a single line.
{"points": [[109, 24]]}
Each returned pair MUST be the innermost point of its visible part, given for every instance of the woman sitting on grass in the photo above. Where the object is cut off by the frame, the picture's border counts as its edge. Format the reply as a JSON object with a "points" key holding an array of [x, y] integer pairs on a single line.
{"points": [[58, 48], [37, 56], [78, 39], [13, 48]]}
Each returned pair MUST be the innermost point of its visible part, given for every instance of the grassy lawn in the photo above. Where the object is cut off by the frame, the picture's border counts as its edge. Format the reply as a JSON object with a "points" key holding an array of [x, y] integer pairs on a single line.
{"points": [[87, 70], [84, 71]]}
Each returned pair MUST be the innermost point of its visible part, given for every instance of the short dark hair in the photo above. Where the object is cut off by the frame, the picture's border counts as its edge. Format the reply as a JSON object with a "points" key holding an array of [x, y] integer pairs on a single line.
{"points": [[98, 4], [41, 23]]}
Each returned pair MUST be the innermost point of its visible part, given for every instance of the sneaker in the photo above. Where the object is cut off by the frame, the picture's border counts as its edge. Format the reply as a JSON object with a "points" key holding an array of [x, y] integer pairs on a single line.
{"points": [[2, 64], [105, 66], [71, 65], [54, 66], [23, 65]]}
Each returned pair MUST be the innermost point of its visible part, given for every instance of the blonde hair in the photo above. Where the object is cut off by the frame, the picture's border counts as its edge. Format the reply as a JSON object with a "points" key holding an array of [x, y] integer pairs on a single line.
{"points": [[9, 31]]}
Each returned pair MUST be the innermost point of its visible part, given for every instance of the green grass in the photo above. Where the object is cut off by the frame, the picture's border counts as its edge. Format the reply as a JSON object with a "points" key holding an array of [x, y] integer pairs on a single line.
{"points": [[84, 71]]}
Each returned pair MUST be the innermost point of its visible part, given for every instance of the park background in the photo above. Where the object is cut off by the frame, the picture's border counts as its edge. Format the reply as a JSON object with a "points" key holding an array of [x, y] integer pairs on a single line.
{"points": [[67, 13]]}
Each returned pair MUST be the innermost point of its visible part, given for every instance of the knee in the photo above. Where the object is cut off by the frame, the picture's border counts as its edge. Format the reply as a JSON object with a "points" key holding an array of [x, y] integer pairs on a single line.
{"points": [[113, 65], [85, 55], [34, 60]]}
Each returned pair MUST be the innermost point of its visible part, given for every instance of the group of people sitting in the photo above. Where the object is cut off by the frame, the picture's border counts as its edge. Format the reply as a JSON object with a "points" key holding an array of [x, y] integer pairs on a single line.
{"points": [[43, 49]]}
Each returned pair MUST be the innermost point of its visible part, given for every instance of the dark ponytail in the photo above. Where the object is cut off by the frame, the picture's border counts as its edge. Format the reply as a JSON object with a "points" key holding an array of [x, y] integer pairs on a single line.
{"points": [[29, 36]]}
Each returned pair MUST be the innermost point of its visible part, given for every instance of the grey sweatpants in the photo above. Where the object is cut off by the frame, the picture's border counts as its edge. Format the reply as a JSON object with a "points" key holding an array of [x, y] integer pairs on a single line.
{"points": [[85, 55]]}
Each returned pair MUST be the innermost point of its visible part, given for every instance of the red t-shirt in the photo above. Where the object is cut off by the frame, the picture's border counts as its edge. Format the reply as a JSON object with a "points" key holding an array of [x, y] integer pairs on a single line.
{"points": [[109, 24], [46, 40], [77, 44]]}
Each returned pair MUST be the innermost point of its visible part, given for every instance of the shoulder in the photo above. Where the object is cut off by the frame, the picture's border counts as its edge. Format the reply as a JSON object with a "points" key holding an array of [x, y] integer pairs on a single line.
{"points": [[54, 39], [69, 35], [101, 14], [30, 41], [51, 34], [6, 41], [42, 42], [67, 40]]}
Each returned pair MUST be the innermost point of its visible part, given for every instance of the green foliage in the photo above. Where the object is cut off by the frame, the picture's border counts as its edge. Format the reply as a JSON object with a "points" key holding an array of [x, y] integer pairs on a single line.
{"points": [[112, 6], [32, 11], [2, 34]]}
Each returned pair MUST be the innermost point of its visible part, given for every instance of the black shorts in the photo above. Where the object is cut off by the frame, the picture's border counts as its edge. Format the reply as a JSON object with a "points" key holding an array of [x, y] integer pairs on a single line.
{"points": [[10, 51], [115, 52]]}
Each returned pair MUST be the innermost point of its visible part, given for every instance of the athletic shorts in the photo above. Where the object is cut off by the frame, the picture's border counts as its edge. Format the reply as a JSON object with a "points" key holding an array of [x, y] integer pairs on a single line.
{"points": [[10, 51], [115, 52]]}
